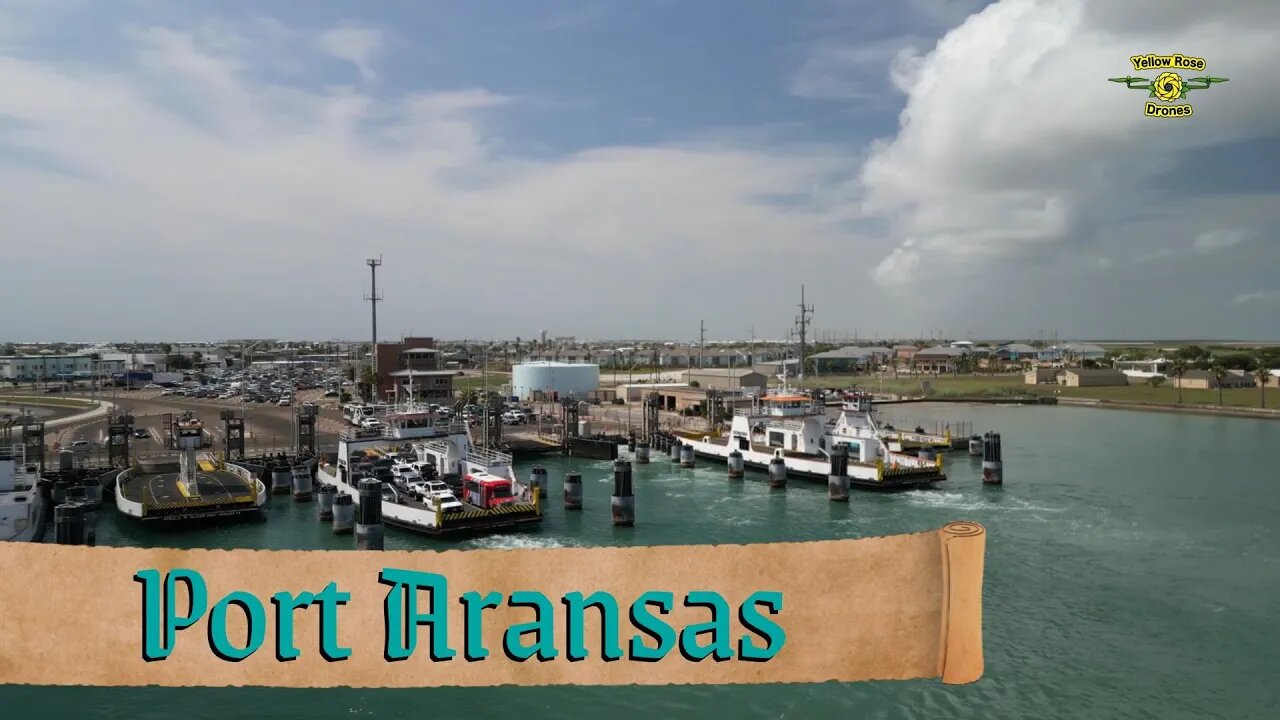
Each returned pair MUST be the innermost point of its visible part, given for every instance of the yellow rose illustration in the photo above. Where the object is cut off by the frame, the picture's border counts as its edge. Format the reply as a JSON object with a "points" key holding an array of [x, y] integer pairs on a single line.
{"points": [[1167, 87]]}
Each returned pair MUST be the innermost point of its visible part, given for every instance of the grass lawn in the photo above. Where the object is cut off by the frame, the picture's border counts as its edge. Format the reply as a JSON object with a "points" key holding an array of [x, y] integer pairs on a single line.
{"points": [[1013, 385], [476, 382]]}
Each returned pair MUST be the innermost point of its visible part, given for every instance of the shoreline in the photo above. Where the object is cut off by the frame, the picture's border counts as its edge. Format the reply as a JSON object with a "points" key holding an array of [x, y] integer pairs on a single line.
{"points": [[1221, 411]]}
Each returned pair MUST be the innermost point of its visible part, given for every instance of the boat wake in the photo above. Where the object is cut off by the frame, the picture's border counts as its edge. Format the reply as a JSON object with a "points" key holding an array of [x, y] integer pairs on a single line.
{"points": [[518, 542], [961, 501]]}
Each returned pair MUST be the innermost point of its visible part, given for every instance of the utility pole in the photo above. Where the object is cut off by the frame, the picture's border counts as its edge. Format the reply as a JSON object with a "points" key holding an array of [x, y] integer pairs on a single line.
{"points": [[374, 264], [802, 326]]}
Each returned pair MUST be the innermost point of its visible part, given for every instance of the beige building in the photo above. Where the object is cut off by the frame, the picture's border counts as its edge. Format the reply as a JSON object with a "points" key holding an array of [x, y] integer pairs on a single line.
{"points": [[1204, 380], [1041, 376], [1091, 377], [678, 399], [727, 379]]}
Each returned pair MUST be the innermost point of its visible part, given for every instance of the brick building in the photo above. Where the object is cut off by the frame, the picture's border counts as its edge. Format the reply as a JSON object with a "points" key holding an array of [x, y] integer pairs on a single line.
{"points": [[413, 362]]}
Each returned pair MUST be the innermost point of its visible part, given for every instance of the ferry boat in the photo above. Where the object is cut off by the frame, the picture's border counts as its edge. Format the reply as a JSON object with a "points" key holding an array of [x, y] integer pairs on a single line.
{"points": [[793, 426], [436, 449], [21, 503]]}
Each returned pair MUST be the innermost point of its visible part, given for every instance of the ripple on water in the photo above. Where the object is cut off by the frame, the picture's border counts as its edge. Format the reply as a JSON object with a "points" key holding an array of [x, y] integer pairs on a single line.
{"points": [[518, 542], [963, 501]]}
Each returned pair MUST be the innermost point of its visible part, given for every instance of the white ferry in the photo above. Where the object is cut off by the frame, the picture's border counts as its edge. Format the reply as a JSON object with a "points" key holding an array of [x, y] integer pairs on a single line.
{"points": [[21, 502], [794, 427], [492, 498]]}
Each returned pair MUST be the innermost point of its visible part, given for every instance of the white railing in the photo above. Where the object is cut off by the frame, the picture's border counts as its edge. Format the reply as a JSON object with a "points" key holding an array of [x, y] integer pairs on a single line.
{"points": [[487, 457], [437, 446]]}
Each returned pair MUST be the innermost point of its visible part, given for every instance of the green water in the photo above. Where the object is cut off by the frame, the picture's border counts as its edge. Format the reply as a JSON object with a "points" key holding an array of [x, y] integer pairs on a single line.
{"points": [[1133, 570]]}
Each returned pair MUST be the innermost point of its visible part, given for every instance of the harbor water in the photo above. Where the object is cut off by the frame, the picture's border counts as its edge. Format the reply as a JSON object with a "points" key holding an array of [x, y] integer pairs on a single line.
{"points": [[1133, 570]]}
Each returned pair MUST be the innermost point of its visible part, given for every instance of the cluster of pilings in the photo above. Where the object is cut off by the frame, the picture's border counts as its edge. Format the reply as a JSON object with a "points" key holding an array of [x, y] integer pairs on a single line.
{"points": [[345, 517], [74, 514]]}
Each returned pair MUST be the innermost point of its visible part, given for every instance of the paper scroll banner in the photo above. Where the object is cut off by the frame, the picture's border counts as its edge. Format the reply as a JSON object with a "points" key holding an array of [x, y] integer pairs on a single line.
{"points": [[885, 608]]}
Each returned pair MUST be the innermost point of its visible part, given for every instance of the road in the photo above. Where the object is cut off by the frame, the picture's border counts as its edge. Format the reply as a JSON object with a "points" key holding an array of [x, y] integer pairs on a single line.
{"points": [[266, 426]]}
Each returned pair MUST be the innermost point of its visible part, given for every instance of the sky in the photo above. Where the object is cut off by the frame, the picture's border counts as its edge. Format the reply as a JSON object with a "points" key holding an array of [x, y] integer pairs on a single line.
{"points": [[625, 170]]}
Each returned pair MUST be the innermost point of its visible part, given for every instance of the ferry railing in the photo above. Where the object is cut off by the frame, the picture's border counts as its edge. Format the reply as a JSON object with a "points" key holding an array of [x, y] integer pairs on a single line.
{"points": [[487, 457]]}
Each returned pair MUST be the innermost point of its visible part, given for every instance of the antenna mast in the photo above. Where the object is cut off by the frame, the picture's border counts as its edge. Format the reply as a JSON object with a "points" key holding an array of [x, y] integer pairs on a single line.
{"points": [[802, 326], [374, 299]]}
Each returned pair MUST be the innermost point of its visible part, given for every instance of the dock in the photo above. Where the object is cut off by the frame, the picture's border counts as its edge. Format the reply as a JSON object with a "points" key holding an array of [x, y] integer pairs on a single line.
{"points": [[157, 493]]}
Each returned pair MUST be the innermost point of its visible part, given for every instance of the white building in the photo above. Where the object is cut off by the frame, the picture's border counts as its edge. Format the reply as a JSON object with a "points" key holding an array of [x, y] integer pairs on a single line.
{"points": [[27, 368], [562, 379]]}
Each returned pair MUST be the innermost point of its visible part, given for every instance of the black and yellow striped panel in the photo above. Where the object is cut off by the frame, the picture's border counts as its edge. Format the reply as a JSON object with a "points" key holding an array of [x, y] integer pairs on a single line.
{"points": [[511, 509], [198, 503]]}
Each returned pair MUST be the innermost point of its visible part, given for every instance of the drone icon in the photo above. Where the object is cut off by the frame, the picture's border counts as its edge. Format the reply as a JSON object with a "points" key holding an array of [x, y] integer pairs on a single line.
{"points": [[1174, 86]]}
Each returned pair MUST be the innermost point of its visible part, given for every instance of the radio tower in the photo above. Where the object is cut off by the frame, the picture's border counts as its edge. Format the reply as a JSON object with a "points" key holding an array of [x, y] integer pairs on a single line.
{"points": [[374, 264], [802, 326]]}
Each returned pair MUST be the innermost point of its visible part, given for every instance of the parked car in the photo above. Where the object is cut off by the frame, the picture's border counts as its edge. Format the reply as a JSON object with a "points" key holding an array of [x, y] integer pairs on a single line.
{"points": [[141, 433]]}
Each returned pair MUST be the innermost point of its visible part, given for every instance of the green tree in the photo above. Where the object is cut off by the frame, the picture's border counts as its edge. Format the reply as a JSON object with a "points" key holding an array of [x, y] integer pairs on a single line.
{"points": [[1156, 381], [1260, 370], [1219, 374], [1177, 369]]}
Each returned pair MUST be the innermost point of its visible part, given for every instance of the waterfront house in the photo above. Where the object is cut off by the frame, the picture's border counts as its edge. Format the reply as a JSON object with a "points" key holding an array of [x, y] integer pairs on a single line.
{"points": [[851, 358], [939, 359]]}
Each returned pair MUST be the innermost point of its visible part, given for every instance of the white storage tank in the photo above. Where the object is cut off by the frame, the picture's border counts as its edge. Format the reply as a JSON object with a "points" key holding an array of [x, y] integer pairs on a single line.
{"points": [[564, 379]]}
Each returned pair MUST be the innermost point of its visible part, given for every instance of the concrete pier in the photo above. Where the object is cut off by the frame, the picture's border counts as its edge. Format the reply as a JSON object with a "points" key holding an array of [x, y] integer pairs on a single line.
{"points": [[992, 460], [975, 445], [325, 510], [736, 465], [674, 450], [777, 474], [302, 488], [838, 478], [623, 501], [369, 516], [538, 481], [642, 453], [281, 479], [686, 456], [344, 514], [68, 524], [573, 491]]}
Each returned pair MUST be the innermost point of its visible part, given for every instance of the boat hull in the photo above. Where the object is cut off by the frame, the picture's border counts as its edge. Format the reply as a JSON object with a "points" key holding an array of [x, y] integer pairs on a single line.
{"points": [[463, 524], [863, 477]]}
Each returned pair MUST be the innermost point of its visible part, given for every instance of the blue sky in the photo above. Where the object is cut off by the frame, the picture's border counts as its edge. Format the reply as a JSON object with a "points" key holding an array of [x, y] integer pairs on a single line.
{"points": [[626, 169]]}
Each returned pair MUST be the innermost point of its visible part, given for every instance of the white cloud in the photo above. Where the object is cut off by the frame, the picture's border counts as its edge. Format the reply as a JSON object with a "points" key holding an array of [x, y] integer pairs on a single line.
{"points": [[900, 268], [855, 71], [1012, 141], [188, 157], [1216, 240], [1259, 297], [357, 45]]}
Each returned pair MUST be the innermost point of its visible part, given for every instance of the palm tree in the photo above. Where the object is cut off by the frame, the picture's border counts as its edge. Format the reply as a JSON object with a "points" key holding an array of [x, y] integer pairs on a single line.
{"points": [[1177, 369], [1260, 369], [1219, 374]]}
